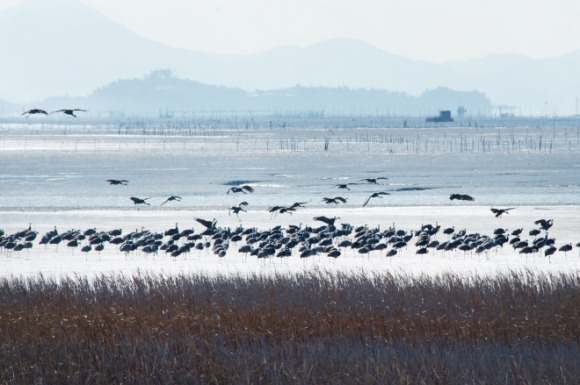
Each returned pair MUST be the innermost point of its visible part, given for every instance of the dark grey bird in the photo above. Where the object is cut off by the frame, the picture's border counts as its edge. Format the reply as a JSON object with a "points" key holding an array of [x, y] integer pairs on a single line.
{"points": [[69, 111], [171, 198], [328, 221], [566, 248], [118, 181], [545, 224], [375, 195], [335, 200], [461, 197], [241, 189], [517, 232], [240, 207], [295, 205], [34, 111], [139, 201], [499, 212], [206, 223], [549, 251], [373, 180], [344, 186]]}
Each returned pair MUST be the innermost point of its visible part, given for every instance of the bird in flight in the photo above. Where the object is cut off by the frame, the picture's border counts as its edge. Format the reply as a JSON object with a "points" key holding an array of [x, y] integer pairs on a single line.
{"points": [[236, 209], [344, 186], [295, 205], [334, 200], [499, 212], [375, 195], [373, 180], [139, 201], [544, 224], [206, 223], [171, 198], [282, 209], [118, 181], [69, 111], [461, 197], [327, 220], [33, 111], [241, 189]]}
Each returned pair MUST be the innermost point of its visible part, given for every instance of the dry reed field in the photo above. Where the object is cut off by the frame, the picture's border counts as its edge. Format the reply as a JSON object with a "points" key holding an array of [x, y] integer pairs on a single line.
{"points": [[308, 328]]}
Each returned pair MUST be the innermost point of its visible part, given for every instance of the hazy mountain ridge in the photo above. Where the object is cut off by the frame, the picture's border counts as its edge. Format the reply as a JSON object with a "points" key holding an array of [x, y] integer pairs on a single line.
{"points": [[162, 93], [80, 50]]}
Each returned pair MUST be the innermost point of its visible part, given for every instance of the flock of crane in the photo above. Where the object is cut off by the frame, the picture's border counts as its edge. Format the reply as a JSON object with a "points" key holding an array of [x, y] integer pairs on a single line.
{"points": [[305, 241], [329, 239]]}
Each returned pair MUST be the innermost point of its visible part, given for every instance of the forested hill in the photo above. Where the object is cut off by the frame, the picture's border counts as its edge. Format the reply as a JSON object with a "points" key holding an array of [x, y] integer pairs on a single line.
{"points": [[161, 91]]}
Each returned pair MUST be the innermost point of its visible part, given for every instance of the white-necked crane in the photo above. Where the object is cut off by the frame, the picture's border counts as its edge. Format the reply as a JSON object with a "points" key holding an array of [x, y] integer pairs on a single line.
{"points": [[499, 212], [139, 201], [344, 186], [375, 195], [236, 209], [171, 198], [335, 200], [241, 189], [327, 220], [69, 111], [34, 111], [373, 180], [461, 197], [118, 181]]}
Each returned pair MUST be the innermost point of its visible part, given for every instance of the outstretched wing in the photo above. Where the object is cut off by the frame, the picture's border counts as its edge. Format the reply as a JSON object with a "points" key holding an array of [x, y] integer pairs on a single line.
{"points": [[324, 219], [248, 188], [206, 223], [117, 181]]}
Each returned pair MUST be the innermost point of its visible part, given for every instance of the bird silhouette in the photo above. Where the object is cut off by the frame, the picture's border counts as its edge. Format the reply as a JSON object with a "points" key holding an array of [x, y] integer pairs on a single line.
{"points": [[565, 248], [295, 205], [241, 189], [117, 181], [328, 221], [69, 111], [499, 212], [206, 223], [171, 198], [375, 195], [139, 201], [545, 224], [33, 111], [335, 200], [240, 207], [461, 197], [344, 186], [373, 180]]}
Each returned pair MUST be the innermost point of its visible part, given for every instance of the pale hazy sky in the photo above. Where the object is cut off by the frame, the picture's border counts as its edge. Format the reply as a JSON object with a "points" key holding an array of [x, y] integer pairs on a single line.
{"points": [[428, 30]]}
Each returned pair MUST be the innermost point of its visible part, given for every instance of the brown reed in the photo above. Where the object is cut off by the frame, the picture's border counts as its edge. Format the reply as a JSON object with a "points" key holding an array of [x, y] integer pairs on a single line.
{"points": [[310, 328]]}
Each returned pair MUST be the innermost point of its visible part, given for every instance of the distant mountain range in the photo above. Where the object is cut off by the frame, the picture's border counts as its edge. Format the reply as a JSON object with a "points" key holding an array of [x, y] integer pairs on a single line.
{"points": [[64, 48], [160, 93]]}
